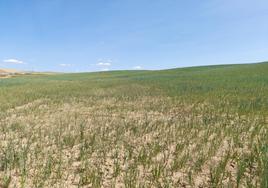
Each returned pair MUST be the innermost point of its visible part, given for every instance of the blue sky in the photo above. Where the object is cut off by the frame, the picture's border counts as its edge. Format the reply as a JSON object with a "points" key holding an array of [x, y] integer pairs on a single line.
{"points": [[93, 35]]}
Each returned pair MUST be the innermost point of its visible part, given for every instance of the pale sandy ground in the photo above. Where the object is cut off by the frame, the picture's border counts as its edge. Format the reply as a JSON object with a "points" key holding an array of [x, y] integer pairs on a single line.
{"points": [[108, 142]]}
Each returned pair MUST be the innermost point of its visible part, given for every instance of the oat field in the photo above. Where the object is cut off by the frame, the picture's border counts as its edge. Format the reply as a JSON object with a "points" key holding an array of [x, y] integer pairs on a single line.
{"points": [[190, 127]]}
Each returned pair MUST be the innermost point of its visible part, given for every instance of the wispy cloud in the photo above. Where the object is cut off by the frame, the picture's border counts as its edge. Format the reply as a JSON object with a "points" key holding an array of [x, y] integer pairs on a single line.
{"points": [[137, 67], [104, 63], [105, 69], [65, 65], [13, 61]]}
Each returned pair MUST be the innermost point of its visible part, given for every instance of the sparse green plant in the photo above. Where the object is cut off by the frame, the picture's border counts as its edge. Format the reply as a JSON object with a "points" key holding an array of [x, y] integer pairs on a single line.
{"points": [[201, 126]]}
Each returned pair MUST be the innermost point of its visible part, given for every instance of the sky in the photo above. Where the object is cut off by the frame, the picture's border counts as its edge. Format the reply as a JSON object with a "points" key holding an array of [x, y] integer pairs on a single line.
{"points": [[96, 35]]}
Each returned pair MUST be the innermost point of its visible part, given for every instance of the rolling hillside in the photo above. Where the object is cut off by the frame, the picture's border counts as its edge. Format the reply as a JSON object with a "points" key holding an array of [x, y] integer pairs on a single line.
{"points": [[189, 127], [5, 73], [9, 70]]}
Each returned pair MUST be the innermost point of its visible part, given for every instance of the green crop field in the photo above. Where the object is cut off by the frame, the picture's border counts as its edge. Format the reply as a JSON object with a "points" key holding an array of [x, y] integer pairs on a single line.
{"points": [[189, 127]]}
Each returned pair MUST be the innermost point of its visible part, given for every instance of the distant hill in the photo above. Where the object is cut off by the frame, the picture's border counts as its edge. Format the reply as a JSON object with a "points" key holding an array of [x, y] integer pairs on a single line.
{"points": [[7, 73], [3, 70]]}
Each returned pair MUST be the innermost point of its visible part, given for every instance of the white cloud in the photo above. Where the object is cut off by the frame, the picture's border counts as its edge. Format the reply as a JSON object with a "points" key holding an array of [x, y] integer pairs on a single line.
{"points": [[137, 67], [13, 61], [104, 64], [65, 65]]}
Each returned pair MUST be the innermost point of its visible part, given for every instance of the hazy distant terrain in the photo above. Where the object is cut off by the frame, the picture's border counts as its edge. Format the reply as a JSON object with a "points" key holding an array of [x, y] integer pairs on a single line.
{"points": [[190, 127], [6, 73]]}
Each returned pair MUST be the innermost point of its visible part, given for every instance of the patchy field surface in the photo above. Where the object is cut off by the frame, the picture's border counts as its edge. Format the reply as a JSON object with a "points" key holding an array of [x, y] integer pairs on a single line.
{"points": [[192, 127]]}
